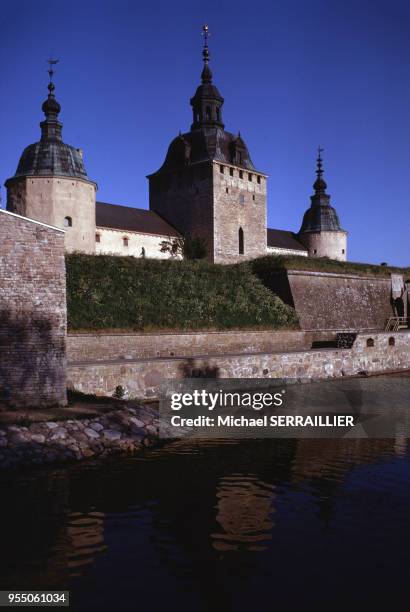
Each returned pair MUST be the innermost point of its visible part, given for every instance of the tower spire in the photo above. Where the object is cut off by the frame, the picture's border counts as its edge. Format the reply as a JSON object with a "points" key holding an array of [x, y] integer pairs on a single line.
{"points": [[51, 127], [206, 75], [320, 184], [207, 101]]}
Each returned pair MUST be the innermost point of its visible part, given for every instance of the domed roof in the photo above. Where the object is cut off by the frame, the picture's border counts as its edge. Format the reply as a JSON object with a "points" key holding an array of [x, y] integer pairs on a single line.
{"points": [[51, 156], [206, 144], [321, 218]]}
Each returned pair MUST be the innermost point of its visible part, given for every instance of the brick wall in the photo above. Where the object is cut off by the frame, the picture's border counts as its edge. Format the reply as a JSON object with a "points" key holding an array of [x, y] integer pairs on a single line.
{"points": [[32, 313], [141, 378]]}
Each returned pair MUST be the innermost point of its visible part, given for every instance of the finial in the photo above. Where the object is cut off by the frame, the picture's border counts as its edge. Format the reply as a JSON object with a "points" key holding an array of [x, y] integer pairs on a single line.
{"points": [[320, 184], [205, 33], [319, 170], [51, 62], [51, 107]]}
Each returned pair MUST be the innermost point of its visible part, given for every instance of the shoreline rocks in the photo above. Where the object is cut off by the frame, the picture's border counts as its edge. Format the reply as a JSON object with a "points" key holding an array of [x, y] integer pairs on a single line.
{"points": [[124, 431]]}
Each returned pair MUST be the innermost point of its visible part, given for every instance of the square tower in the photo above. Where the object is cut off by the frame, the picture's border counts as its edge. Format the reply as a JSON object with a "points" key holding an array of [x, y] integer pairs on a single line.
{"points": [[208, 186]]}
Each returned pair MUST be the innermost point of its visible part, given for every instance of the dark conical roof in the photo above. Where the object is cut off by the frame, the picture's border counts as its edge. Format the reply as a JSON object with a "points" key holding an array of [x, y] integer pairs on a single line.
{"points": [[51, 156], [320, 217]]}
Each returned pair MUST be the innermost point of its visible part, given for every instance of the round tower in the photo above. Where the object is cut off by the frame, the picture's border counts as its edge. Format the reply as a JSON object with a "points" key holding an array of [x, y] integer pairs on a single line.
{"points": [[51, 184], [321, 232]]}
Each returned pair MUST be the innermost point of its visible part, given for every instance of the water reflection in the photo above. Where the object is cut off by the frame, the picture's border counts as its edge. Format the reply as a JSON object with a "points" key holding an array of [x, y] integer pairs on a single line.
{"points": [[244, 512], [212, 524]]}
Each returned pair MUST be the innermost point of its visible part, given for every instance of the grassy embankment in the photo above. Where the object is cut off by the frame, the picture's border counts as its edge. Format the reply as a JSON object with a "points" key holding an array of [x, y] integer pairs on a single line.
{"points": [[125, 293]]}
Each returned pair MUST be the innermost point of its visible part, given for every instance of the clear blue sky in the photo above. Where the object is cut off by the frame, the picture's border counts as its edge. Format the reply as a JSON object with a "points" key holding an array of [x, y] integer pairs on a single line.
{"points": [[294, 74]]}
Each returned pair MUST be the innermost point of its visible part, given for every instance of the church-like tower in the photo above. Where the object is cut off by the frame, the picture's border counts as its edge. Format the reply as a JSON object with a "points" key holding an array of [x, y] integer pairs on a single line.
{"points": [[51, 184], [208, 185], [321, 231]]}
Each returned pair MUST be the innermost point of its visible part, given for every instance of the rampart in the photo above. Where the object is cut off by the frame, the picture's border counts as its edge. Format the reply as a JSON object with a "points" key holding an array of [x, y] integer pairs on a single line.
{"points": [[32, 313]]}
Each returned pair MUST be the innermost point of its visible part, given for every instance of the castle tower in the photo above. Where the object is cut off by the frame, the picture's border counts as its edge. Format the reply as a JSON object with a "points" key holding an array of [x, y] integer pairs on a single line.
{"points": [[51, 184], [321, 231], [208, 185]]}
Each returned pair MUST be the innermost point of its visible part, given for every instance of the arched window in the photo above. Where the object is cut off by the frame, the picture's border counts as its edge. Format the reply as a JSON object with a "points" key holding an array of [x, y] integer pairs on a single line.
{"points": [[208, 113], [125, 241], [392, 341], [370, 342], [241, 242], [68, 222], [218, 116], [97, 238]]}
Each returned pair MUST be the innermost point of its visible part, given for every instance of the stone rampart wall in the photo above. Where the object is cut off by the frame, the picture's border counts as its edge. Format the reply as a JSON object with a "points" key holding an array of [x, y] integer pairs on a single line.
{"points": [[141, 378], [335, 301], [100, 347], [32, 313]]}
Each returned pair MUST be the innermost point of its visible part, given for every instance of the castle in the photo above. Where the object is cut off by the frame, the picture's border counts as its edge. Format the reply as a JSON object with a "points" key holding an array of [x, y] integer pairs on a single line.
{"points": [[207, 187]]}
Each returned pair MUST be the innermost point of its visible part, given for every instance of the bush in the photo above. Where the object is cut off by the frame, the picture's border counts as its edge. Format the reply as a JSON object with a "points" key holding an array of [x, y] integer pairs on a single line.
{"points": [[110, 292]]}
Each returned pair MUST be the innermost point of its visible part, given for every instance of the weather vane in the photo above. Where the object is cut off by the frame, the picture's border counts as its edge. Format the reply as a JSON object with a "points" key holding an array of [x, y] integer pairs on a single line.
{"points": [[320, 150], [205, 33], [51, 62]]}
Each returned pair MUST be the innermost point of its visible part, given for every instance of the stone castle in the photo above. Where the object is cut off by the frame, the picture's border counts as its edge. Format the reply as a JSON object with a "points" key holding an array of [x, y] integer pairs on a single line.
{"points": [[207, 187]]}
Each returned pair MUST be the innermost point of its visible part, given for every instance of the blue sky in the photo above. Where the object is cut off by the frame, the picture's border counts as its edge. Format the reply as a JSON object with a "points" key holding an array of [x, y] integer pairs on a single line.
{"points": [[294, 74]]}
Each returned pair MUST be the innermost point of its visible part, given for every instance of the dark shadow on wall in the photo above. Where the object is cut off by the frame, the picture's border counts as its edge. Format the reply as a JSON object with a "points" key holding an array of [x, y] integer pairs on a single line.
{"points": [[277, 281], [191, 369], [32, 359]]}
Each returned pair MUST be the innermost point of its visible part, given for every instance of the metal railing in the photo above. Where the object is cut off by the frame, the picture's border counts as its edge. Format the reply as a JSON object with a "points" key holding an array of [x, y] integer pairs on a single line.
{"points": [[396, 323]]}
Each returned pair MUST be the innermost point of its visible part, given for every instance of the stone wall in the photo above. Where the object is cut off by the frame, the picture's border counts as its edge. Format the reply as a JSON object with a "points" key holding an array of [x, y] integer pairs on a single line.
{"points": [[100, 347], [32, 312], [239, 202], [141, 378], [51, 200], [184, 198], [335, 301]]}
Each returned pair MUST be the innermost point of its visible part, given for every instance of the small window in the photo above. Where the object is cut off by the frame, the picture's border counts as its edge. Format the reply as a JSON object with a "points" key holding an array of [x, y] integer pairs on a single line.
{"points": [[241, 174], [239, 157], [253, 197], [231, 171], [314, 251], [218, 116], [343, 251], [221, 169], [250, 177], [242, 199], [97, 238], [68, 222], [125, 241], [241, 241], [227, 190], [208, 113], [392, 341], [369, 342], [258, 179]]}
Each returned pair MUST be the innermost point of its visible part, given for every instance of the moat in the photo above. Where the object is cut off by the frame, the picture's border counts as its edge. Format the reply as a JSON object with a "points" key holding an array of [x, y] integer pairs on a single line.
{"points": [[211, 526]]}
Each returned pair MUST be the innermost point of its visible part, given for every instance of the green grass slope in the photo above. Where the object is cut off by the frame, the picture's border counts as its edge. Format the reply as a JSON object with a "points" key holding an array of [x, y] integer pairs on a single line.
{"points": [[109, 292]]}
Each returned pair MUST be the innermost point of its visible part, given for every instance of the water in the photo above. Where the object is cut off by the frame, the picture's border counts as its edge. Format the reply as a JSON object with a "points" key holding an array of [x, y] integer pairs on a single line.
{"points": [[272, 524]]}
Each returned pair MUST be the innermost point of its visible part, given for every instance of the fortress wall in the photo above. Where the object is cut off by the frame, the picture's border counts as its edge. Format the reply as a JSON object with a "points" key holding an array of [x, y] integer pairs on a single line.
{"points": [[32, 313], [324, 300], [141, 378], [100, 347]]}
